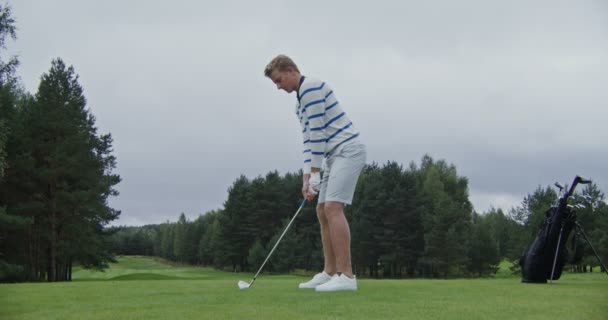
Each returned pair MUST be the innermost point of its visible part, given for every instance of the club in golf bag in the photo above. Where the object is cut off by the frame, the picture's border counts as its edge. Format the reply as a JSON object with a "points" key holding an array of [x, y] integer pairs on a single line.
{"points": [[244, 285], [546, 257]]}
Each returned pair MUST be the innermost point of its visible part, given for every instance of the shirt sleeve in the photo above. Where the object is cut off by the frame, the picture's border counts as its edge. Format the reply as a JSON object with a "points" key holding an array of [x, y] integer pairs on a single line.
{"points": [[306, 144], [313, 108]]}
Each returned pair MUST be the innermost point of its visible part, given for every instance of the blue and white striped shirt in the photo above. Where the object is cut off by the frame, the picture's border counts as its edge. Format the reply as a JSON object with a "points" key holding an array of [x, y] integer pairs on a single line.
{"points": [[324, 124]]}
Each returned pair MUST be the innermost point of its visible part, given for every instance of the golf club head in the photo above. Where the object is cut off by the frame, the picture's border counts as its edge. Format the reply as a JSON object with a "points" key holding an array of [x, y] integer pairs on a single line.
{"points": [[582, 180], [243, 285]]}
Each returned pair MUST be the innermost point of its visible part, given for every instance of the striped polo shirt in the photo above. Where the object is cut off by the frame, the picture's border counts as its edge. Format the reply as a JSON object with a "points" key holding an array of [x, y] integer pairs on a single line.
{"points": [[324, 124]]}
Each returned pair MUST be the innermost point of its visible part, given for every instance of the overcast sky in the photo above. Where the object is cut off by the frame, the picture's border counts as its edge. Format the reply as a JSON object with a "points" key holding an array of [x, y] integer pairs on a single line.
{"points": [[513, 93]]}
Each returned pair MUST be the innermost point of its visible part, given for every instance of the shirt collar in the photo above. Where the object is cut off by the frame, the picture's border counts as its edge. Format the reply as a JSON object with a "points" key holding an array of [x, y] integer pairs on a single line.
{"points": [[300, 86]]}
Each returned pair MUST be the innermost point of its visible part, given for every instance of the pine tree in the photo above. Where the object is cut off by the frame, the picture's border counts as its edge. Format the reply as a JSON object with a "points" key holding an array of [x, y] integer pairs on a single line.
{"points": [[209, 237], [12, 251], [483, 249], [366, 222], [446, 219], [257, 255], [185, 240], [532, 211], [7, 29], [166, 240], [236, 226], [283, 258], [60, 179]]}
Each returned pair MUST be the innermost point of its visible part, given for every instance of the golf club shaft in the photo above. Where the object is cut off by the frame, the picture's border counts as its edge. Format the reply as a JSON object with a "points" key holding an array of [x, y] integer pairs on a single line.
{"points": [[279, 240]]}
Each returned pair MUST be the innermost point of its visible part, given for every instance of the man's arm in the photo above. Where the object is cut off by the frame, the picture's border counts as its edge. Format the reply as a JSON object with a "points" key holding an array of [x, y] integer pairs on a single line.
{"points": [[313, 105]]}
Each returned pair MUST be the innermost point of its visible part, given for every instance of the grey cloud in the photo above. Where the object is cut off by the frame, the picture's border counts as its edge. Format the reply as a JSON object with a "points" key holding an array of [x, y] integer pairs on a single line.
{"points": [[512, 93]]}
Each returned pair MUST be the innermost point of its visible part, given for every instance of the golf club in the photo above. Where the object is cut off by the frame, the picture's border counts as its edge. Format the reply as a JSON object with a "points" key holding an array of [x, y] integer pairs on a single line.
{"points": [[244, 285]]}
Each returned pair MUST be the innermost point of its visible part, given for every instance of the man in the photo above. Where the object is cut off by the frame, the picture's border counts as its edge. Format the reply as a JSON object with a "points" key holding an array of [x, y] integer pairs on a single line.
{"points": [[327, 133]]}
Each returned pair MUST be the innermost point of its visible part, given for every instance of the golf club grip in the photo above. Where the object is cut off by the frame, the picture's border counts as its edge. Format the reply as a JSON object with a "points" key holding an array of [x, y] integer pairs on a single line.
{"points": [[279, 240], [577, 180], [584, 180]]}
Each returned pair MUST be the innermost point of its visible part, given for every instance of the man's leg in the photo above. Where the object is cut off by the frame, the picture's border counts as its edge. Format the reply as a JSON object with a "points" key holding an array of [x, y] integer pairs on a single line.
{"points": [[340, 240], [346, 165], [339, 233], [328, 251]]}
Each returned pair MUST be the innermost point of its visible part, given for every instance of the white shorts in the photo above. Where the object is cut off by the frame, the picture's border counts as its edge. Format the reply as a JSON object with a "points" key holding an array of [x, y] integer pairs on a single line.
{"points": [[343, 166]]}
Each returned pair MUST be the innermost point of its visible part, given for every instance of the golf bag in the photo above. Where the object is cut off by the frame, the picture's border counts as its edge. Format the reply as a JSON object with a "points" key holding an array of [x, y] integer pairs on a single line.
{"points": [[546, 257], [537, 263]]}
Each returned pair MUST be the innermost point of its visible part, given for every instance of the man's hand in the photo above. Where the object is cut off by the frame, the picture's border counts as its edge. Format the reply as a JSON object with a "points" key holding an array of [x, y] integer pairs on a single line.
{"points": [[314, 183], [306, 192]]}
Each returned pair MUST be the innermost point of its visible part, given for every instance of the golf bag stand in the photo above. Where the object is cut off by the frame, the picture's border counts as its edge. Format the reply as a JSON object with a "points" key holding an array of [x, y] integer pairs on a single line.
{"points": [[579, 228], [582, 232], [559, 240]]}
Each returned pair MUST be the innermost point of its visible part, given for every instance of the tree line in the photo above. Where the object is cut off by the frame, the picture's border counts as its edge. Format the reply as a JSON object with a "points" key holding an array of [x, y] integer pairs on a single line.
{"points": [[55, 175], [405, 222]]}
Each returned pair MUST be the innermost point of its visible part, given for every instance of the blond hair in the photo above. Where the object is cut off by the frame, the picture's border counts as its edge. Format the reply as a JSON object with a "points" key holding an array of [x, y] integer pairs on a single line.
{"points": [[281, 63]]}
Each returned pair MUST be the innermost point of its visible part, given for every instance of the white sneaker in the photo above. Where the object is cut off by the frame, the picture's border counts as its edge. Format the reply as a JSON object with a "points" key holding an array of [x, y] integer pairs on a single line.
{"points": [[338, 283], [318, 279]]}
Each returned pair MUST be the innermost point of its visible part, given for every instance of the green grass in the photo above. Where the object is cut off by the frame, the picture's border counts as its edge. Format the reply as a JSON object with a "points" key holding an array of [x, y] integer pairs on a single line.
{"points": [[132, 267], [504, 272], [156, 290]]}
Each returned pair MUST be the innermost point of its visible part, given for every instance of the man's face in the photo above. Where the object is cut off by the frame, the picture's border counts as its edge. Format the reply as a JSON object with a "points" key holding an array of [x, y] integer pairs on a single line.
{"points": [[286, 80]]}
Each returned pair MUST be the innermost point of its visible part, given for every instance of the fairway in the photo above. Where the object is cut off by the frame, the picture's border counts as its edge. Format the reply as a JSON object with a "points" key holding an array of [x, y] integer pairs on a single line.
{"points": [[145, 288]]}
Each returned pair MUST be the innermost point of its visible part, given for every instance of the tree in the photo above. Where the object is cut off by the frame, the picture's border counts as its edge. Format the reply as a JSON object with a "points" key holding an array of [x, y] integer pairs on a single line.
{"points": [[60, 179], [133, 240], [283, 258], [257, 254], [507, 233], [308, 248], [484, 248], [593, 218], [446, 219], [185, 244], [531, 214], [209, 238], [366, 222], [7, 87], [7, 29], [385, 219], [12, 251], [165, 238], [236, 226]]}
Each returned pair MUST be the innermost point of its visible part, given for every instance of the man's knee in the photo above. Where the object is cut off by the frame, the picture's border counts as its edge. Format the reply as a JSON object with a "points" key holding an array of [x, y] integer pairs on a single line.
{"points": [[333, 208], [321, 211]]}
